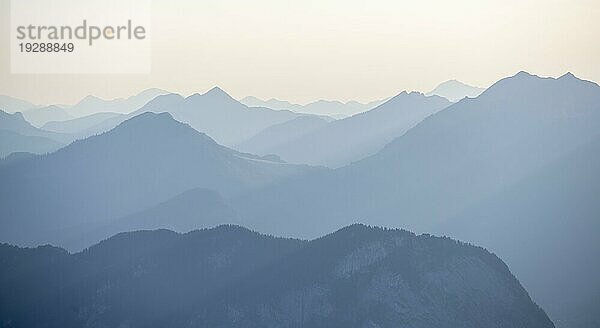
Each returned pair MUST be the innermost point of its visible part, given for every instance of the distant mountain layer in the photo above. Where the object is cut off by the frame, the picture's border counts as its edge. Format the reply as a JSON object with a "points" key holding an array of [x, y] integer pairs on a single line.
{"points": [[231, 277], [335, 109], [454, 164], [40, 116], [18, 135], [13, 105], [215, 113], [79, 126], [185, 212], [144, 161], [92, 105], [554, 212], [279, 135], [454, 90], [220, 116], [351, 139], [12, 142], [89, 106]]}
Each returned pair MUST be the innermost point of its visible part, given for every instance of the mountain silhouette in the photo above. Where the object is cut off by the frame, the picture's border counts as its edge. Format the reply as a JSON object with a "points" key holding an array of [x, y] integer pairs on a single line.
{"points": [[80, 127], [14, 105], [40, 116], [183, 213], [230, 276], [335, 109], [351, 139], [219, 115], [12, 142], [92, 105], [554, 212], [215, 113], [450, 163], [17, 123], [144, 161], [18, 135], [454, 90]]}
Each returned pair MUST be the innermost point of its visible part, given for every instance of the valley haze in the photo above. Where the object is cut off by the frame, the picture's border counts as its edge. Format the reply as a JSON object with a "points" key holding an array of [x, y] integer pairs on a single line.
{"points": [[512, 168]]}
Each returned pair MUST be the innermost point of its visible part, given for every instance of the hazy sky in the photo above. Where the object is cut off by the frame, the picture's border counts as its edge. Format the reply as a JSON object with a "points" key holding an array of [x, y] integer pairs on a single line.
{"points": [[337, 49]]}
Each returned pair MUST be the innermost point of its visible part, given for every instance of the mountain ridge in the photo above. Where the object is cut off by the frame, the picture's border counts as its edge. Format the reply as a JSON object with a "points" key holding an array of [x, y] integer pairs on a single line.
{"points": [[242, 277]]}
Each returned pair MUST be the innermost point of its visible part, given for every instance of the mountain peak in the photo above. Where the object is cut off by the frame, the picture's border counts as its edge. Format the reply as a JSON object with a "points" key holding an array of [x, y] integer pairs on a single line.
{"points": [[89, 98], [568, 85], [149, 121], [524, 74], [154, 116], [455, 90], [216, 91], [568, 76]]}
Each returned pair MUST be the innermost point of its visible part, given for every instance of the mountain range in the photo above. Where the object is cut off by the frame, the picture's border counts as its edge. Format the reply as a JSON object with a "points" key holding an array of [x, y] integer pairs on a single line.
{"points": [[90, 105], [13, 105], [82, 127], [513, 170], [343, 141], [144, 161], [18, 135], [230, 276], [333, 108], [459, 160], [215, 113]]}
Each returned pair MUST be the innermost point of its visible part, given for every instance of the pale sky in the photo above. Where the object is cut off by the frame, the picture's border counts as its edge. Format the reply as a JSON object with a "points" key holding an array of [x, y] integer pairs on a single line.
{"points": [[305, 50]]}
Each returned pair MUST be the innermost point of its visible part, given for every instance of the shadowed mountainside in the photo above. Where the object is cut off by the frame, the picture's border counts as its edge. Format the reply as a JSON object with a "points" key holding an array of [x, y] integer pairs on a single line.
{"points": [[230, 276], [144, 161]]}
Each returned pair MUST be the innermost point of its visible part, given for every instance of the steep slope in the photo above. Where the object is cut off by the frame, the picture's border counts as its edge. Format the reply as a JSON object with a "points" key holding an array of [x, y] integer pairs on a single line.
{"points": [[554, 214], [344, 141], [447, 163], [454, 90], [270, 139], [451, 162], [229, 276], [144, 161], [215, 113], [218, 115]]}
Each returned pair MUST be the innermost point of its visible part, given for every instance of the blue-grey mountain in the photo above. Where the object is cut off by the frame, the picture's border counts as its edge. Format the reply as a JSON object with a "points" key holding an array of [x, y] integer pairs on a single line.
{"points": [[144, 161], [454, 90], [452, 162], [277, 136], [81, 127], [231, 277], [18, 135], [335, 109], [14, 105], [92, 105], [351, 139]]}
